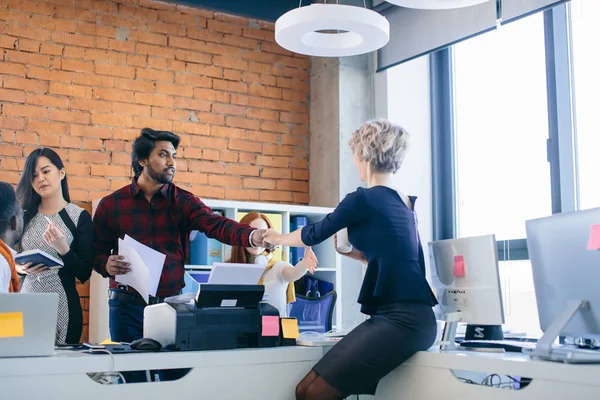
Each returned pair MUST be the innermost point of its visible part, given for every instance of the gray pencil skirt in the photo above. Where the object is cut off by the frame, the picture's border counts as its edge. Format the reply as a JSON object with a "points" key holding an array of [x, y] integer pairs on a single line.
{"points": [[377, 346]]}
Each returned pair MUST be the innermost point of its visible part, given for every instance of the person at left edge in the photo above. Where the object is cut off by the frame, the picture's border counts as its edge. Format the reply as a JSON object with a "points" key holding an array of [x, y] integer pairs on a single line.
{"points": [[157, 213]]}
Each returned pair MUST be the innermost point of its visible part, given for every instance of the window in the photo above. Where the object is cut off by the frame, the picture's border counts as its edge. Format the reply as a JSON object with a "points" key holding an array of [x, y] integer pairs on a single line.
{"points": [[502, 173], [585, 34], [502, 170]]}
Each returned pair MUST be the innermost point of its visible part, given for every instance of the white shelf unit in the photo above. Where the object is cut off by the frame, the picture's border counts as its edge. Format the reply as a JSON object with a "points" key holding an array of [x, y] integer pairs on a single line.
{"points": [[329, 259]]}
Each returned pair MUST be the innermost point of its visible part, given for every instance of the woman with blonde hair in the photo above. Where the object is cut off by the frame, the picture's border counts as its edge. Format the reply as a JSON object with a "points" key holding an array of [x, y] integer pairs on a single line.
{"points": [[382, 228], [279, 276]]}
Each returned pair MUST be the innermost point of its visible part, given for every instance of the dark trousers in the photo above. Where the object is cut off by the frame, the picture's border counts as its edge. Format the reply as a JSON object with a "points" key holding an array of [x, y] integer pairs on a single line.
{"points": [[126, 324]]}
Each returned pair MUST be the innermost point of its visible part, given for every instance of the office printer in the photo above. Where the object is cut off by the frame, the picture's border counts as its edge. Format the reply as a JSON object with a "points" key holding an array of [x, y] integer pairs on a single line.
{"points": [[221, 317]]}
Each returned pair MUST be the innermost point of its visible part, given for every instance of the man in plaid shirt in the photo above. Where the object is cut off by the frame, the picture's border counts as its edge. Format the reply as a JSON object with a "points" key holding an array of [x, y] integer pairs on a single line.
{"points": [[155, 212]]}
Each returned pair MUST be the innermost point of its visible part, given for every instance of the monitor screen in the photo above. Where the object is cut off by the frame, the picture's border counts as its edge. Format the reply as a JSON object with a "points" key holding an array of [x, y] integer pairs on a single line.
{"points": [[465, 277]]}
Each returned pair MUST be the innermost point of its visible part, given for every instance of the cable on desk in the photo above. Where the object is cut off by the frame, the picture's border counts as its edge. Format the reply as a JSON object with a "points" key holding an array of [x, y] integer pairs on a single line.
{"points": [[101, 377]]}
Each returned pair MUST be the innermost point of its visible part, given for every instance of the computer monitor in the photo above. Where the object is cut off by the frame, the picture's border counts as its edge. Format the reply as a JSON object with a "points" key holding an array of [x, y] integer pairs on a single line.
{"points": [[566, 275], [466, 280]]}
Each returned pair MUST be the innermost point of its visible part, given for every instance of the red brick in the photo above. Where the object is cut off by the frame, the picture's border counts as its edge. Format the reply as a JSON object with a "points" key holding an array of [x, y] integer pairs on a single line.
{"points": [[152, 38], [152, 50], [49, 140], [180, 18], [90, 105], [193, 56], [271, 126], [12, 123], [206, 166], [247, 100], [70, 142], [191, 104], [131, 84], [49, 101], [184, 43], [174, 65], [259, 183], [294, 118], [109, 57], [130, 109], [69, 116], [295, 96], [264, 91], [75, 14], [232, 75], [125, 121], [209, 142], [125, 134], [225, 27], [210, 118], [281, 105], [191, 177], [113, 95], [114, 145], [136, 61], [205, 35], [261, 56], [30, 46], [259, 113], [245, 170], [157, 63], [230, 62], [193, 81], [118, 21], [90, 131], [301, 198], [260, 68], [167, 113], [228, 109], [174, 90], [227, 132], [271, 47], [208, 154], [121, 159], [7, 42], [229, 156], [52, 49], [238, 41], [245, 146], [114, 70], [229, 86], [300, 174], [35, 7], [14, 96], [268, 195], [292, 186], [155, 75], [259, 34], [93, 80], [70, 90], [11, 150], [192, 152], [224, 180], [26, 138], [73, 39], [27, 58], [222, 50], [94, 157], [278, 173], [119, 45], [110, 170], [153, 100], [239, 194], [209, 192], [12, 69], [161, 27], [92, 144], [159, 124], [9, 164], [242, 123], [248, 158], [268, 80], [78, 66], [15, 110]]}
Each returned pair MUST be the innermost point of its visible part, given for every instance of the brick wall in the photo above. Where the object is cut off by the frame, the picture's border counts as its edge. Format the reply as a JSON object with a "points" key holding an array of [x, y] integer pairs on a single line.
{"points": [[84, 76]]}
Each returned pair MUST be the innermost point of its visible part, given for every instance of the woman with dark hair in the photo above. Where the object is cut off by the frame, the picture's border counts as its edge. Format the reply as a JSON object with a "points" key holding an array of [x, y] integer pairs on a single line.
{"points": [[279, 276], [60, 228]]}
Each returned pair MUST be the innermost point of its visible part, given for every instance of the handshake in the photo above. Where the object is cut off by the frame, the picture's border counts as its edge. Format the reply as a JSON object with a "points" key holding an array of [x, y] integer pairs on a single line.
{"points": [[266, 238]]}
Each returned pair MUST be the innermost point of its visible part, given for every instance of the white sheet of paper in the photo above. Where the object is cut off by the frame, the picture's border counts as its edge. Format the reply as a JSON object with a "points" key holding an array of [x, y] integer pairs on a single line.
{"points": [[153, 259], [138, 277]]}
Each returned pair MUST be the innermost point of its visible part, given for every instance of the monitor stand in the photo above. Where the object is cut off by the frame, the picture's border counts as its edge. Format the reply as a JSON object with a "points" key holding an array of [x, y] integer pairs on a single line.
{"points": [[544, 345]]}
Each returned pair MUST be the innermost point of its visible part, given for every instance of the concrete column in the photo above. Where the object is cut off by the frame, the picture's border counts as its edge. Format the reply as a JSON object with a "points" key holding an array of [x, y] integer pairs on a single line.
{"points": [[341, 99]]}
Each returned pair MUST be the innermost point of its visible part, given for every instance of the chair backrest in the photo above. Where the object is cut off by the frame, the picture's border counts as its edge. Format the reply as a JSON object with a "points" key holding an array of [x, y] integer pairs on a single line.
{"points": [[314, 314]]}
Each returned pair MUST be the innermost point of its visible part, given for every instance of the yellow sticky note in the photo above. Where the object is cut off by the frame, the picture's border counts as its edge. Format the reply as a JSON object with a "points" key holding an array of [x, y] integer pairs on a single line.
{"points": [[11, 324], [108, 341], [290, 328]]}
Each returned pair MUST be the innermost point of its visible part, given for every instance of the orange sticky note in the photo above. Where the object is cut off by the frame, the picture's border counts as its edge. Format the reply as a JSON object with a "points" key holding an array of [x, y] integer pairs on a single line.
{"points": [[459, 266], [289, 326], [594, 241], [11, 324], [270, 325]]}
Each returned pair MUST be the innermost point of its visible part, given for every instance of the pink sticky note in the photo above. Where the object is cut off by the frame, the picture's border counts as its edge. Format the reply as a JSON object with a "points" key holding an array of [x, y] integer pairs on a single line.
{"points": [[459, 266], [594, 241], [270, 325]]}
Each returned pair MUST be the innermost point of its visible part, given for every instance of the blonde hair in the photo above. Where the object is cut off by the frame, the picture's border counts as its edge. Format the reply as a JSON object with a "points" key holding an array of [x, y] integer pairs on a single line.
{"points": [[381, 143]]}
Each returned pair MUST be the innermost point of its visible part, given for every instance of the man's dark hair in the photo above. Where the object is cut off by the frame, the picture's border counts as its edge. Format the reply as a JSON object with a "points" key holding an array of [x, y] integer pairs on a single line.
{"points": [[145, 143], [9, 207]]}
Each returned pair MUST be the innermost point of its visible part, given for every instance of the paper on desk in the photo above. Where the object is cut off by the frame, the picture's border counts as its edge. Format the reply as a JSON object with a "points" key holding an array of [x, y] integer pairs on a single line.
{"points": [[138, 276], [153, 259]]}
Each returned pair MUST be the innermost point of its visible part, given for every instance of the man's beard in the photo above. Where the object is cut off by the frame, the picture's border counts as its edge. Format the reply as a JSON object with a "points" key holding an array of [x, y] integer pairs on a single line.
{"points": [[160, 177]]}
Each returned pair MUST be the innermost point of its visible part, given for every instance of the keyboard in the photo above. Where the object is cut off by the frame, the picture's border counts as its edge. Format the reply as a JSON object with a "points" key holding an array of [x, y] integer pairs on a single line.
{"points": [[515, 346]]}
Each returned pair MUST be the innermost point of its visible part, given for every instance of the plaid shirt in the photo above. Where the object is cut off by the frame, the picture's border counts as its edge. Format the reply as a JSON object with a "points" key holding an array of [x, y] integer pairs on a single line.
{"points": [[163, 224]]}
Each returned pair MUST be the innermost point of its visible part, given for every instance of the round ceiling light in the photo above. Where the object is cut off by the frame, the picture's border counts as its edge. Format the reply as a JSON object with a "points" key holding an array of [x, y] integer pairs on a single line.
{"points": [[331, 30], [436, 4]]}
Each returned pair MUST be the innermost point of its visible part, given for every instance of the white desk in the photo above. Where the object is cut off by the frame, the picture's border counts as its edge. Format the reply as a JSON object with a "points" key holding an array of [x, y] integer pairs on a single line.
{"points": [[428, 375], [219, 375]]}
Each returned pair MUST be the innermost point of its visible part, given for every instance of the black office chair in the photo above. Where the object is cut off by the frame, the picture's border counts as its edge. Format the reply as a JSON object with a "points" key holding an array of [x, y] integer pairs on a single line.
{"points": [[314, 314]]}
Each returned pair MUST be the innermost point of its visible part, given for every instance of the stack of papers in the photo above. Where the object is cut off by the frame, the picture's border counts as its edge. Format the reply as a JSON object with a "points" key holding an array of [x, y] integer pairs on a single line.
{"points": [[146, 267]]}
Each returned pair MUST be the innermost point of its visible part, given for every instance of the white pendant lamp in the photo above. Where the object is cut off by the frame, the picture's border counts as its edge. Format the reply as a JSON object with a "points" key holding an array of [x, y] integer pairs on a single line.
{"points": [[436, 4], [331, 30]]}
